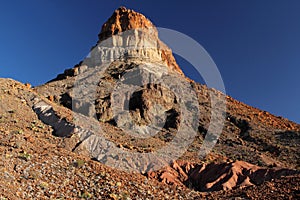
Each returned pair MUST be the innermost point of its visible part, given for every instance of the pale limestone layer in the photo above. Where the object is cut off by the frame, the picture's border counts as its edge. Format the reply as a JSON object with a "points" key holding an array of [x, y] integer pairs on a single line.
{"points": [[136, 44]]}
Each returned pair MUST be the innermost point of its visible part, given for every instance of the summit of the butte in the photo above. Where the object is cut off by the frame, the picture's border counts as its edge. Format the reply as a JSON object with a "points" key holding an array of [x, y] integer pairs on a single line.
{"points": [[130, 35], [124, 19]]}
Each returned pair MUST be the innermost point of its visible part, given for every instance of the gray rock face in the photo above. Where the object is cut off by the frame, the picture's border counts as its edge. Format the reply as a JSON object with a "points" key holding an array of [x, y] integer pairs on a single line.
{"points": [[61, 127], [91, 141]]}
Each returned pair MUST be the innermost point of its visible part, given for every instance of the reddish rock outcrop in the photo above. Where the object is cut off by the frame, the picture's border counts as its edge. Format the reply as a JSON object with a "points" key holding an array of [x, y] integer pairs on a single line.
{"points": [[217, 176], [124, 19]]}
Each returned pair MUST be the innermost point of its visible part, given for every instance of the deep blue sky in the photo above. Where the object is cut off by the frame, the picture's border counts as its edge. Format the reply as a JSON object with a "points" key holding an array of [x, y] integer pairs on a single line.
{"points": [[255, 44]]}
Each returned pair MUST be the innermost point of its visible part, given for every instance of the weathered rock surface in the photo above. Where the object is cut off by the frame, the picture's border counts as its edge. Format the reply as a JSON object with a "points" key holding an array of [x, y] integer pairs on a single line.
{"points": [[260, 137], [145, 37], [122, 20], [201, 177], [90, 140], [218, 176], [35, 164]]}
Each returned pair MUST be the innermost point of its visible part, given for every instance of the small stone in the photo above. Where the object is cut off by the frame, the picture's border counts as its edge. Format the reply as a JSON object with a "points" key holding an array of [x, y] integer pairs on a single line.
{"points": [[51, 98], [119, 184], [28, 85]]}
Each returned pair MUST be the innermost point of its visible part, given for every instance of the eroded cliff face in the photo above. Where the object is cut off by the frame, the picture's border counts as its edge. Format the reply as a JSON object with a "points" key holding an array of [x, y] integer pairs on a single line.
{"points": [[261, 137], [127, 28], [43, 157], [129, 52], [127, 36]]}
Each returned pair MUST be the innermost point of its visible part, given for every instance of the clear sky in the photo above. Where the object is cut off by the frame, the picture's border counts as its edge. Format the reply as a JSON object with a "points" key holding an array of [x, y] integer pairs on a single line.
{"points": [[255, 43]]}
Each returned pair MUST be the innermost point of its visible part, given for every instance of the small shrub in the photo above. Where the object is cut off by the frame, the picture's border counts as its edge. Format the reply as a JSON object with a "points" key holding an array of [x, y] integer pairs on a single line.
{"points": [[78, 163], [24, 156], [85, 195]]}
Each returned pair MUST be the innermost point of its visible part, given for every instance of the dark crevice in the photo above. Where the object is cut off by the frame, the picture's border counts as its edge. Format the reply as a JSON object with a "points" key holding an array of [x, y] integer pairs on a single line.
{"points": [[172, 120], [202, 130], [66, 100], [242, 124]]}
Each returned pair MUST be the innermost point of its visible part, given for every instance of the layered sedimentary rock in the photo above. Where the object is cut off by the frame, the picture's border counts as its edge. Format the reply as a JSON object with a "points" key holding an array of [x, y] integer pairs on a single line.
{"points": [[126, 36], [134, 32], [130, 85]]}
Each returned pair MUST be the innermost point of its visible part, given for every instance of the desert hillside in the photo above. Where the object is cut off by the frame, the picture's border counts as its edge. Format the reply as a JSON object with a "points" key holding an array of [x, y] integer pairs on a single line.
{"points": [[66, 140]]}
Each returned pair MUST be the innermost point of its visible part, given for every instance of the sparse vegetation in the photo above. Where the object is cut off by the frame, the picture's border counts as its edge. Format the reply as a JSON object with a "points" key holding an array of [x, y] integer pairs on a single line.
{"points": [[24, 156], [78, 163]]}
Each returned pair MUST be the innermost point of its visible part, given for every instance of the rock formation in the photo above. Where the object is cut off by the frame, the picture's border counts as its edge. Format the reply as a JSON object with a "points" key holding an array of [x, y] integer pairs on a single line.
{"points": [[217, 176], [261, 137], [127, 35], [120, 108]]}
